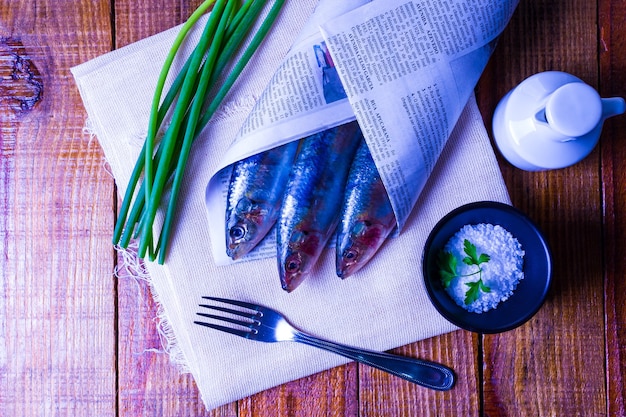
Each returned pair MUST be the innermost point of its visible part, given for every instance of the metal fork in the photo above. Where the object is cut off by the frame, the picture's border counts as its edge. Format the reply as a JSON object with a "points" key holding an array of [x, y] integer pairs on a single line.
{"points": [[260, 323]]}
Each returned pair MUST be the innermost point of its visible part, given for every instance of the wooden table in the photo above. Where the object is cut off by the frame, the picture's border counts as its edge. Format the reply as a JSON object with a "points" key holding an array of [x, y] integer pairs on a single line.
{"points": [[76, 341]]}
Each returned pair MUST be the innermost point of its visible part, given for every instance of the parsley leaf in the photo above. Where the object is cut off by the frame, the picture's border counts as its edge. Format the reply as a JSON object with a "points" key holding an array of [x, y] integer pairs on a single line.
{"points": [[448, 270], [472, 258], [447, 267], [474, 291]]}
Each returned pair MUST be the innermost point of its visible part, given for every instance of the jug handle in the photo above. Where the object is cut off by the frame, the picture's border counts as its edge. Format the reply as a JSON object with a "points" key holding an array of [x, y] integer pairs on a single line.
{"points": [[612, 106]]}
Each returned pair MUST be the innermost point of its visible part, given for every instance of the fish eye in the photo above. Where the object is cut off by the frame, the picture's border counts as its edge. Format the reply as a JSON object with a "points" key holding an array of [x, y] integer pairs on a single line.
{"points": [[292, 264], [237, 232], [350, 254]]}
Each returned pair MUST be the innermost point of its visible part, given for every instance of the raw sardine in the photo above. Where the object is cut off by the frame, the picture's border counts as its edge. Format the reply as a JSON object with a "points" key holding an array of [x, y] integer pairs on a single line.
{"points": [[256, 189], [367, 217], [312, 202]]}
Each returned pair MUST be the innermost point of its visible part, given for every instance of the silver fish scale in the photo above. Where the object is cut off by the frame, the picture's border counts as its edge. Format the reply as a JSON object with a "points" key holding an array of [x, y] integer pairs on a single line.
{"points": [[255, 192], [367, 218], [311, 206]]}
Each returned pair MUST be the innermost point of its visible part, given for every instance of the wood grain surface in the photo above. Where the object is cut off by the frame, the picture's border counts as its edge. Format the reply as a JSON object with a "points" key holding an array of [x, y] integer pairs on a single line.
{"points": [[77, 339]]}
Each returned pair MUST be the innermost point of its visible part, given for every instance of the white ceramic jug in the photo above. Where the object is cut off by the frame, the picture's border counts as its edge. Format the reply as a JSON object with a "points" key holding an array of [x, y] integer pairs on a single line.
{"points": [[551, 120]]}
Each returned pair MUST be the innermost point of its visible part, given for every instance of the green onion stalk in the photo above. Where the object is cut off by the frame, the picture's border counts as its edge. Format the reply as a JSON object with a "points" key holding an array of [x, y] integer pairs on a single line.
{"points": [[162, 162]]}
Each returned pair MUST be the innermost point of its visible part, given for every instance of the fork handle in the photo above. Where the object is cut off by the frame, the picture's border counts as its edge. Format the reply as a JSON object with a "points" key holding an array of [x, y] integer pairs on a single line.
{"points": [[425, 373]]}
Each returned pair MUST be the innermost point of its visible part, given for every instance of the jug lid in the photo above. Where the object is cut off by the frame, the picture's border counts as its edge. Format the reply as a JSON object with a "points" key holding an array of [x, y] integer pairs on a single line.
{"points": [[574, 109]]}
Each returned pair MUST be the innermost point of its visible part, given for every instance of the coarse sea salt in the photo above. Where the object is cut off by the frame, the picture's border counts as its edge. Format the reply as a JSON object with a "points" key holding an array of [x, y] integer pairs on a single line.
{"points": [[500, 274]]}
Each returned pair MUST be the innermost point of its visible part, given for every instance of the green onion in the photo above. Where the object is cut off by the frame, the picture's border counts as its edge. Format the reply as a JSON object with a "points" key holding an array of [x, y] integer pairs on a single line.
{"points": [[162, 163]]}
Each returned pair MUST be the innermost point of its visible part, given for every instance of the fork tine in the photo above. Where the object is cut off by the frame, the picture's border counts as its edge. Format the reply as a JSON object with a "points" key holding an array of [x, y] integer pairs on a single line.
{"points": [[229, 320], [242, 333], [250, 316], [234, 302]]}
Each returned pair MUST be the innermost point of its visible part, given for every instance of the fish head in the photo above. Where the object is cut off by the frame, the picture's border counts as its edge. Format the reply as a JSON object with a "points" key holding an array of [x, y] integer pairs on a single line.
{"points": [[355, 248], [246, 225], [301, 254]]}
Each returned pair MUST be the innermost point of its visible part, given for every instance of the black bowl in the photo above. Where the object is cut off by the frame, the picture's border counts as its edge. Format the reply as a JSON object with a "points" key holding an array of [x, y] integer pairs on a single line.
{"points": [[530, 292]]}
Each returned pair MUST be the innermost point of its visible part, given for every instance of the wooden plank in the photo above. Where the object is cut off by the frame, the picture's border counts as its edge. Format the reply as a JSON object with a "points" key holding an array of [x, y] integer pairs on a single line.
{"points": [[328, 393], [57, 346], [385, 395], [612, 43], [554, 364], [138, 19]]}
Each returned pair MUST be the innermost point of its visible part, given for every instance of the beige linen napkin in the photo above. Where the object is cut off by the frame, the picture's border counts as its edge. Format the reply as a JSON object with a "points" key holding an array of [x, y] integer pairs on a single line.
{"points": [[383, 307]]}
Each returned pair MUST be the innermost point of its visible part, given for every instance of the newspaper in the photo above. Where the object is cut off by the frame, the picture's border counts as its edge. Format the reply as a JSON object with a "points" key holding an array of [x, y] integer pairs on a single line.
{"points": [[404, 69]]}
